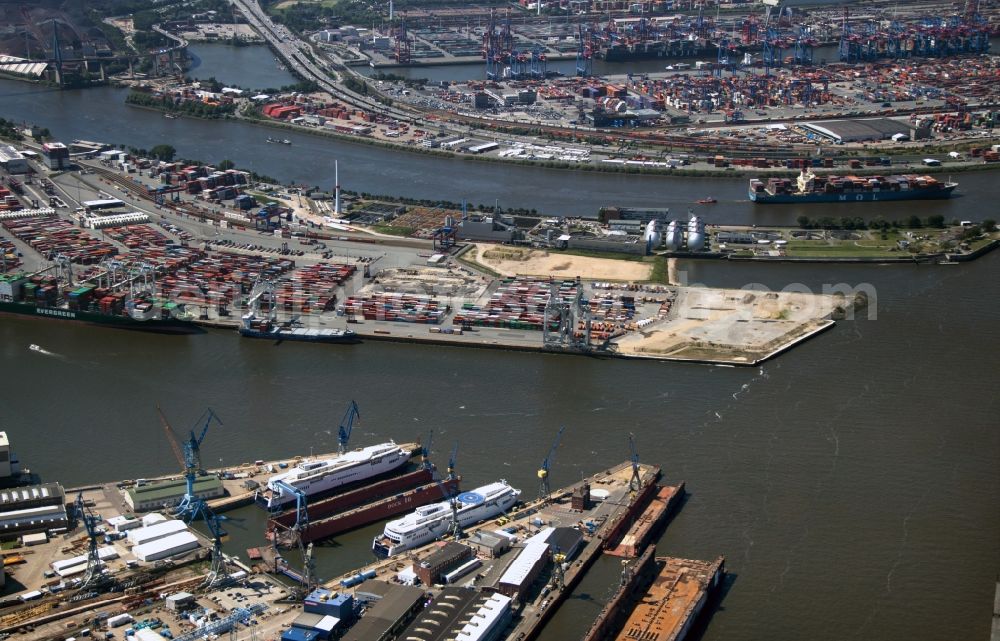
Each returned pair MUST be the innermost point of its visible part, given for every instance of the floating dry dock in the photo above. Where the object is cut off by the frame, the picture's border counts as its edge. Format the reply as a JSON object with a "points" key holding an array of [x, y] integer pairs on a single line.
{"points": [[665, 595]]}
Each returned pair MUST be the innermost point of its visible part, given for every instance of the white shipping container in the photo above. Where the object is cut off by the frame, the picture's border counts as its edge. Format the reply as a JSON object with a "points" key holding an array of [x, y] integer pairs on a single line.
{"points": [[166, 547]]}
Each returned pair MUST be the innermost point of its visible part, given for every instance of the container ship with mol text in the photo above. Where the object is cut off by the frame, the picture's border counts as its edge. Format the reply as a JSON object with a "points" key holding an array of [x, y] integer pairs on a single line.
{"points": [[44, 296], [432, 521], [313, 477], [810, 188], [255, 324]]}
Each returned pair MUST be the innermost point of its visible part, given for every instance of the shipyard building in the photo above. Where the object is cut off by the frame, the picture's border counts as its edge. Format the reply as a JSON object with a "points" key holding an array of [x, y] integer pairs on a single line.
{"points": [[36, 508], [461, 613], [163, 494], [390, 608]]}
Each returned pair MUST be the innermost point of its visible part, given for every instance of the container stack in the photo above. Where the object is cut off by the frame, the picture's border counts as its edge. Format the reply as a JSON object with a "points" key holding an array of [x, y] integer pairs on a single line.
{"points": [[398, 307], [518, 303], [48, 235]]}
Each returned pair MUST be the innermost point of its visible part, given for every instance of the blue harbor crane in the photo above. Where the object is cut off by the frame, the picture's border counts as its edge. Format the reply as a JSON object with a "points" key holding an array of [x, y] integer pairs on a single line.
{"points": [[425, 451], [455, 529], [635, 482], [301, 511], [544, 491], [307, 578], [346, 425], [93, 577], [189, 456], [193, 507]]}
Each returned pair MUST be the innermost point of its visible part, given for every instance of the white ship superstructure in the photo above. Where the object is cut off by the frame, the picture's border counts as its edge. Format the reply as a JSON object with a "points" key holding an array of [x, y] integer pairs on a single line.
{"points": [[431, 521], [316, 477]]}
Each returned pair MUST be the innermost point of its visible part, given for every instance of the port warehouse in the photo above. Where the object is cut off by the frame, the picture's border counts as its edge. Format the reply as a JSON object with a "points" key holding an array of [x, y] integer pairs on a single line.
{"points": [[12, 161], [160, 494], [841, 131]]}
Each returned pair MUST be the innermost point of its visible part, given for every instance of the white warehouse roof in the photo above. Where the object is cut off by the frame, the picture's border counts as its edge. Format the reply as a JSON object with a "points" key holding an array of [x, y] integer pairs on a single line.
{"points": [[156, 531], [166, 547]]}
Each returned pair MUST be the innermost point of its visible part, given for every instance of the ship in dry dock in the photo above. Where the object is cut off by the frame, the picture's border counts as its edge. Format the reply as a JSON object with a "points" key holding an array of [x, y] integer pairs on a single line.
{"points": [[314, 478], [371, 503]]}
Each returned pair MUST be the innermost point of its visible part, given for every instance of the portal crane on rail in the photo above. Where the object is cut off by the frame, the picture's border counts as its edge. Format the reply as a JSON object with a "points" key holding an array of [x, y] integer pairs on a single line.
{"points": [[193, 507], [189, 456], [544, 491], [94, 576]]}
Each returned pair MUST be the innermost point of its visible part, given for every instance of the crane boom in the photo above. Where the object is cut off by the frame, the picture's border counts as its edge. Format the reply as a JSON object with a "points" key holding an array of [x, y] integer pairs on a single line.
{"points": [[635, 482], [425, 450], [346, 425], [174, 445], [451, 462], [543, 473]]}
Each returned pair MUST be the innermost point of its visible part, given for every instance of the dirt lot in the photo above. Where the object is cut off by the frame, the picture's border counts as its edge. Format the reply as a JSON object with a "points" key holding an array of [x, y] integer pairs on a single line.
{"points": [[515, 261], [733, 326]]}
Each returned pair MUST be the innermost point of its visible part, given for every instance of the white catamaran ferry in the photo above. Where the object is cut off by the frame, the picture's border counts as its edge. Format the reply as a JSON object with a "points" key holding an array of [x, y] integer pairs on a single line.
{"points": [[431, 521]]}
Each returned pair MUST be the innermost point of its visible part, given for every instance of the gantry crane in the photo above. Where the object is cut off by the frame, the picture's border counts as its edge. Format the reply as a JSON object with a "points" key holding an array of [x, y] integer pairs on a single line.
{"points": [[346, 425], [544, 491], [308, 577], [635, 482]]}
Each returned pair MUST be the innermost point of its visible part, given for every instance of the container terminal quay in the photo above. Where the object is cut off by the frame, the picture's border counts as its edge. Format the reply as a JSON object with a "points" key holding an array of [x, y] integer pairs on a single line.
{"points": [[755, 88], [120, 246], [124, 559], [764, 99]]}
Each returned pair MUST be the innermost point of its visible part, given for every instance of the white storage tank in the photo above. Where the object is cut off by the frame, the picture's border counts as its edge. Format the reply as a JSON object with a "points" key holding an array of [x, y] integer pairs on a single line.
{"points": [[652, 235], [674, 236], [696, 234]]}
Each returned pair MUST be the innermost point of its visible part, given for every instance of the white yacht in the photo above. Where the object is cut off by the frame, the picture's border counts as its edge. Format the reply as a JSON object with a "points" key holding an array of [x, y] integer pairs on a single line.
{"points": [[315, 477], [431, 521]]}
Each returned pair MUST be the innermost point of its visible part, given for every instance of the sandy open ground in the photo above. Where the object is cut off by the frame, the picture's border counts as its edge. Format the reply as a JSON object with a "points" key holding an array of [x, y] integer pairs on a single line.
{"points": [[518, 261], [728, 325]]}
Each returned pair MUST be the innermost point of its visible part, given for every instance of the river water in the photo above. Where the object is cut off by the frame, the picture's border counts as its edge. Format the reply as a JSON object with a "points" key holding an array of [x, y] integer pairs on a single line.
{"points": [[101, 114], [852, 483]]}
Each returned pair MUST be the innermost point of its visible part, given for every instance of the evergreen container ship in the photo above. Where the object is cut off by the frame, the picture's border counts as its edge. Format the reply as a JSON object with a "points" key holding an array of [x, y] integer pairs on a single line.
{"points": [[41, 297], [810, 188]]}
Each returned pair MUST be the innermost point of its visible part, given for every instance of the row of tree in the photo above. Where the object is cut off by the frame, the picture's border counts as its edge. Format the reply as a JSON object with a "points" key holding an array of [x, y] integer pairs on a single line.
{"points": [[194, 108], [829, 222]]}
